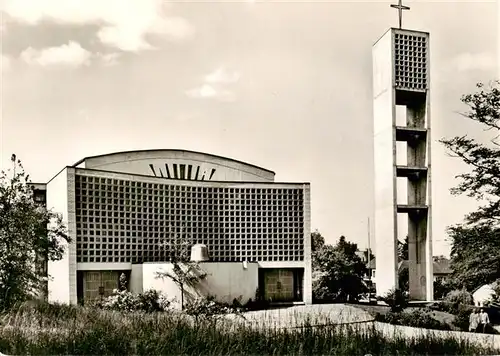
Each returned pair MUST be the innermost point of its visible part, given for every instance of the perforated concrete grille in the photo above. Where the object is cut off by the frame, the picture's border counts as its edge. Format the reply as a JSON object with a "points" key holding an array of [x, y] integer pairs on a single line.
{"points": [[410, 61], [126, 221]]}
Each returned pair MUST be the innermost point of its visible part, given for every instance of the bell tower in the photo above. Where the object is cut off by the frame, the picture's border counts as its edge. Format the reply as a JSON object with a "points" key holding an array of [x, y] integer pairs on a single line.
{"points": [[401, 78]]}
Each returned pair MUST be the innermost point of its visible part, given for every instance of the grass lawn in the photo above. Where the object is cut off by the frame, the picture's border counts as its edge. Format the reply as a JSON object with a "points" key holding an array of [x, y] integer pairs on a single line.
{"points": [[41, 329]]}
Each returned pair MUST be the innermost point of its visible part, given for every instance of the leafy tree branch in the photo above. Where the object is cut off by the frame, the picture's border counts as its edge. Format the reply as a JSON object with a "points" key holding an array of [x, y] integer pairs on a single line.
{"points": [[29, 235]]}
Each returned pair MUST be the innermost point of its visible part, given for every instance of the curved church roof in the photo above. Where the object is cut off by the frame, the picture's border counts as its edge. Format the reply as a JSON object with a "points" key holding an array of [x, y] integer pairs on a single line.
{"points": [[177, 164]]}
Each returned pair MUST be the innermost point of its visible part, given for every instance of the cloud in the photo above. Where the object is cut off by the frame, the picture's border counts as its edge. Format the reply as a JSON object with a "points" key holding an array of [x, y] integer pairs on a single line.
{"points": [[474, 61], [206, 91], [222, 75], [123, 24], [67, 55], [71, 55], [213, 86]]}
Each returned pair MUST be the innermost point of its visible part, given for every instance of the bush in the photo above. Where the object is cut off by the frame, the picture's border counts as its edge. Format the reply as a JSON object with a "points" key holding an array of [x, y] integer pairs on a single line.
{"points": [[206, 308], [441, 289], [454, 301], [120, 300], [459, 296], [153, 301], [462, 315], [257, 304], [418, 318], [396, 299], [320, 291], [123, 300], [494, 314]]}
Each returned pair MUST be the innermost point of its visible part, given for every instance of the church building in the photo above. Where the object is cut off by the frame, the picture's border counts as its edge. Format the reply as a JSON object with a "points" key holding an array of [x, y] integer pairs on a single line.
{"points": [[126, 211]]}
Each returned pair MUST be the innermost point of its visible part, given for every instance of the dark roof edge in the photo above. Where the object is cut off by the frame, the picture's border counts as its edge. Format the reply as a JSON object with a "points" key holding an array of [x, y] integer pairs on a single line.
{"points": [[381, 36], [187, 180], [51, 179], [399, 29], [175, 150]]}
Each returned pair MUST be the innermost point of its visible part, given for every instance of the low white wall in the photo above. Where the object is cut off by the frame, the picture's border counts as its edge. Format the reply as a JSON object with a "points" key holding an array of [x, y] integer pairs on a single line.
{"points": [[231, 280], [225, 281]]}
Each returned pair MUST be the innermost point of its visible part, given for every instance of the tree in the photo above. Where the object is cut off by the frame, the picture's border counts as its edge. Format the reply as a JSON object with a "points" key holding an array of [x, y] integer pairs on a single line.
{"points": [[483, 181], [338, 272], [403, 273], [442, 286], [365, 255], [496, 290], [403, 249], [404, 279], [28, 233], [184, 271], [317, 241], [474, 255], [476, 242]]}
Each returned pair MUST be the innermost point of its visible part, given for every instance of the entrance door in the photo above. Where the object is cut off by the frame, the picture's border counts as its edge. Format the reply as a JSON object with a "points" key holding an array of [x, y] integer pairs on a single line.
{"points": [[279, 285], [99, 284]]}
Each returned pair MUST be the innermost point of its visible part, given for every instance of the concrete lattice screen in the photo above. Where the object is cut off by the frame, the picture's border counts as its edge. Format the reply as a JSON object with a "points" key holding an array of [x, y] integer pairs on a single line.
{"points": [[410, 61], [119, 220]]}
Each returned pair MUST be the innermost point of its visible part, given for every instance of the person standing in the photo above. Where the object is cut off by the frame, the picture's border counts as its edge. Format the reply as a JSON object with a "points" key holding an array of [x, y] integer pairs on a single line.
{"points": [[474, 320], [484, 320]]}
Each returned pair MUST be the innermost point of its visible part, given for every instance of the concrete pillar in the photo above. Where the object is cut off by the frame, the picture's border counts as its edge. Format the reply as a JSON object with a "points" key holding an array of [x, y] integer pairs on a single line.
{"points": [[417, 230], [136, 283], [384, 111]]}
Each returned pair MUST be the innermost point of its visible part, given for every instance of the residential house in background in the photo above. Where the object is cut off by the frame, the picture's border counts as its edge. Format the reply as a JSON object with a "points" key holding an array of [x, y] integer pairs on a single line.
{"points": [[441, 268]]}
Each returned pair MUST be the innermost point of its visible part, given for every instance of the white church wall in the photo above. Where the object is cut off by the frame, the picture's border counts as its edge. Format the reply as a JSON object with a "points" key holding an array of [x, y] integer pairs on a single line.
{"points": [[225, 281], [62, 271]]}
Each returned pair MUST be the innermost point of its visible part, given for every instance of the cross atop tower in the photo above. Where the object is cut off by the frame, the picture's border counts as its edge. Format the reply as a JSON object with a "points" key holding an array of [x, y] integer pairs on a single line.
{"points": [[400, 8]]}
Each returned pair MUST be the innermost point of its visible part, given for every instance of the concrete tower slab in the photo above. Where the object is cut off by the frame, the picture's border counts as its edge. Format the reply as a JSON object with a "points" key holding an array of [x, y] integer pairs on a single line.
{"points": [[401, 78]]}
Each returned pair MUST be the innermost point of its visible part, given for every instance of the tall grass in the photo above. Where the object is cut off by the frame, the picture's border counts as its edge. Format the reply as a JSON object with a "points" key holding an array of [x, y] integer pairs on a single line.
{"points": [[41, 329]]}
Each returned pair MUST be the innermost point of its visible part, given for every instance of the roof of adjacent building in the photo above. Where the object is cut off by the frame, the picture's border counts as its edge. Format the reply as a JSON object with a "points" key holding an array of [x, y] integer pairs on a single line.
{"points": [[441, 266]]}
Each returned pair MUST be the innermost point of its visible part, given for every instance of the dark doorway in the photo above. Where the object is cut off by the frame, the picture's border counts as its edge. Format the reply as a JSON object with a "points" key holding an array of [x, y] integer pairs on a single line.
{"points": [[281, 284]]}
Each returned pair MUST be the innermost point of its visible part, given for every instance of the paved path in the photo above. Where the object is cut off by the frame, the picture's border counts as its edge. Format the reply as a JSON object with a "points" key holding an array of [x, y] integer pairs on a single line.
{"points": [[319, 314], [338, 314], [388, 330], [297, 316]]}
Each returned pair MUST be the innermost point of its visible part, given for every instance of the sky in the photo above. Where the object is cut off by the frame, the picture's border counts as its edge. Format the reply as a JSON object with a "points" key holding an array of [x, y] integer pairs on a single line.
{"points": [[285, 85]]}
